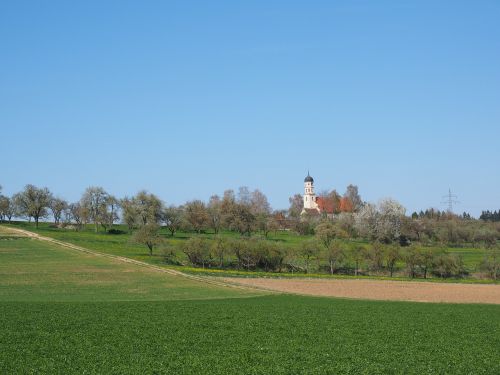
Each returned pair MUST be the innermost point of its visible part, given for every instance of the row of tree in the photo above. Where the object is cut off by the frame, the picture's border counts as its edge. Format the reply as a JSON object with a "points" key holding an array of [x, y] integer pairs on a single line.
{"points": [[247, 212], [332, 256], [435, 214], [244, 212], [490, 215]]}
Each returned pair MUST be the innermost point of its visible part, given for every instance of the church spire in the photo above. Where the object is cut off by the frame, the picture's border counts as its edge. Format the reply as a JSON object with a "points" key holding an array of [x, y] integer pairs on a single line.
{"points": [[308, 178], [309, 195]]}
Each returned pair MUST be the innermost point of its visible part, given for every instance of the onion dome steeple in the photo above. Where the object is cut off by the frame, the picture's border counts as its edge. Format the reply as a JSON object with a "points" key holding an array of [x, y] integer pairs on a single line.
{"points": [[308, 178]]}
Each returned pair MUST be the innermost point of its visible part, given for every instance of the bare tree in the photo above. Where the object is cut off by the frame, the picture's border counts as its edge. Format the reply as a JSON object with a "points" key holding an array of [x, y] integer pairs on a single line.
{"points": [[77, 214], [353, 195], [244, 195], [220, 248], [267, 224], [245, 252], [357, 254], [261, 209], [259, 203], [392, 255], [196, 215], [241, 219], [375, 256], [94, 200], [197, 250], [413, 228], [309, 249], [129, 213], [33, 202], [109, 213], [281, 219], [271, 255], [6, 208], [3, 203], [326, 232], [296, 206], [412, 260], [149, 207], [214, 211], [148, 235], [334, 254], [228, 199], [426, 260], [172, 217], [491, 263], [144, 208], [346, 222], [57, 206]]}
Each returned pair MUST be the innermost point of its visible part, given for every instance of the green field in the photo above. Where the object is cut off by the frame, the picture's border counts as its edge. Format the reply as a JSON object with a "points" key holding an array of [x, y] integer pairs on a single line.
{"points": [[262, 335], [65, 312], [120, 244], [33, 270]]}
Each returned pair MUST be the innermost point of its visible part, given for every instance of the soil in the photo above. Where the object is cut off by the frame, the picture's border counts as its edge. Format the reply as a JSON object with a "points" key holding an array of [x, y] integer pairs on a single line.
{"points": [[380, 289]]}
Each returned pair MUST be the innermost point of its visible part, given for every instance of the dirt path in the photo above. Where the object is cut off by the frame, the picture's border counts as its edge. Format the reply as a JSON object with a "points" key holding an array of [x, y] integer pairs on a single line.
{"points": [[218, 282], [380, 289]]}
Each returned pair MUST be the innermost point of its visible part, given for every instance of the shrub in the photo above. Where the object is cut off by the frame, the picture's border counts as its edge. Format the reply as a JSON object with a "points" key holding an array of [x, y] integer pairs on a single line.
{"points": [[197, 249], [448, 265], [491, 263], [116, 231], [271, 256], [245, 252]]}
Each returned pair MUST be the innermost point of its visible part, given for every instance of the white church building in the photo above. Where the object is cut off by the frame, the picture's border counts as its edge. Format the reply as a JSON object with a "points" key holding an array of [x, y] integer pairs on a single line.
{"points": [[314, 205], [309, 195]]}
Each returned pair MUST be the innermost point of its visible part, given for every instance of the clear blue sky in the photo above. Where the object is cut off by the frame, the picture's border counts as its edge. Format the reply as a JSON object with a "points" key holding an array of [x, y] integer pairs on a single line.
{"points": [[186, 99]]}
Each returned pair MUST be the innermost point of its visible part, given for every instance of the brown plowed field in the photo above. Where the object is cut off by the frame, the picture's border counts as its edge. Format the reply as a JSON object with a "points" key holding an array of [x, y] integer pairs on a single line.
{"points": [[380, 289]]}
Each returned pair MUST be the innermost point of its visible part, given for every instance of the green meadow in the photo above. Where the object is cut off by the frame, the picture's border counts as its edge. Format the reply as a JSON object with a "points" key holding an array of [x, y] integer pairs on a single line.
{"points": [[33, 270], [66, 312], [121, 244]]}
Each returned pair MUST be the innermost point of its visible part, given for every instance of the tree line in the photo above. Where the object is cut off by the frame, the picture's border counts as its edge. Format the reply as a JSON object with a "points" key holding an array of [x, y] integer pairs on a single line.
{"points": [[385, 225], [244, 212], [325, 252], [490, 215]]}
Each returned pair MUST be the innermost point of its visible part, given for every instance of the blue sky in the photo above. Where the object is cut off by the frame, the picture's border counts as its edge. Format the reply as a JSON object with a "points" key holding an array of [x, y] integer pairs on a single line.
{"points": [[186, 99]]}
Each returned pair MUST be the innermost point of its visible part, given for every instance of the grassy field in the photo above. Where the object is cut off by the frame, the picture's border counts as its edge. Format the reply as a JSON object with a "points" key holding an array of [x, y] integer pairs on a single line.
{"points": [[65, 312], [120, 244], [33, 270], [262, 335]]}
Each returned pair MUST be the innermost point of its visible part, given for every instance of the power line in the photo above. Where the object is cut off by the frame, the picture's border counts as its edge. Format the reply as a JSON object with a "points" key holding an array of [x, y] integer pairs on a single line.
{"points": [[450, 200]]}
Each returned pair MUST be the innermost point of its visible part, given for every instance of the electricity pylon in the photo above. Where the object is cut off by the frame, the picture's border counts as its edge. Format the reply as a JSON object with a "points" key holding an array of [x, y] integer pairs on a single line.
{"points": [[451, 199]]}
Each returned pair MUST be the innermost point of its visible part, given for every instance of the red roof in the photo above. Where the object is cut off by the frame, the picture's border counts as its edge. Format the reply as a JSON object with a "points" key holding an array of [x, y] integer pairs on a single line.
{"points": [[325, 205]]}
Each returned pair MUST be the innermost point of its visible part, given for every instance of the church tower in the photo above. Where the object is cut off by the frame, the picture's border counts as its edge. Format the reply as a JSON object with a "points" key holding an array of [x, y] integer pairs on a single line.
{"points": [[309, 195]]}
